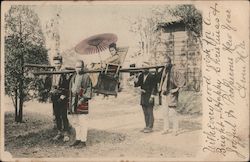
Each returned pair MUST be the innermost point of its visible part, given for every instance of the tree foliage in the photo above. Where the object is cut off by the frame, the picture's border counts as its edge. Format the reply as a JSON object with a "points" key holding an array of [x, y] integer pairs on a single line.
{"points": [[24, 43], [191, 17], [145, 26]]}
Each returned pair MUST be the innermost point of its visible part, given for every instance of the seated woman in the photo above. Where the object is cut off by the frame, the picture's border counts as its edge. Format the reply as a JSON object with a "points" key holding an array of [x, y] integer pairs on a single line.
{"points": [[114, 58], [107, 82]]}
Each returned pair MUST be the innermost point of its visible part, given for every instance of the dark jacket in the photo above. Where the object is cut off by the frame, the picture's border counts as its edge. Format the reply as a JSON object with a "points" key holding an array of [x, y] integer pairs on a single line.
{"points": [[147, 85], [61, 89]]}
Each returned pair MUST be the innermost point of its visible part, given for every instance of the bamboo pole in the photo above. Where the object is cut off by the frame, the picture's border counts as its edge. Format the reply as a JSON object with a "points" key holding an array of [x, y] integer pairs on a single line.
{"points": [[124, 70]]}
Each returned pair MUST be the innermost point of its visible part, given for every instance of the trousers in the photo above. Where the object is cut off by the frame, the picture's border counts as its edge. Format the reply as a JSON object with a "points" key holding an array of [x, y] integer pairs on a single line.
{"points": [[148, 115], [80, 123], [169, 115], [60, 112]]}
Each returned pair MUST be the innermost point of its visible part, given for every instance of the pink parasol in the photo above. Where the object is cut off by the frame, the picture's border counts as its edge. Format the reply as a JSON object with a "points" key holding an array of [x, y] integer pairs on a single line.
{"points": [[96, 44]]}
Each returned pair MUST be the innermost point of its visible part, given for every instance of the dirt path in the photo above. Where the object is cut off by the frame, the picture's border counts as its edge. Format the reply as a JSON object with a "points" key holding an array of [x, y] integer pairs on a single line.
{"points": [[114, 131]]}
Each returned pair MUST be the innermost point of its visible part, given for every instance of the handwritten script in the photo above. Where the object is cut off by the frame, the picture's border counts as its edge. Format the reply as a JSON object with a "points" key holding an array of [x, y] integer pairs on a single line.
{"points": [[223, 55]]}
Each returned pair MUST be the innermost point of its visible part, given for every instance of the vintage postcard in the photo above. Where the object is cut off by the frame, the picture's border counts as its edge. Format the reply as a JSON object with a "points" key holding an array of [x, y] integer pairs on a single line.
{"points": [[125, 81]]}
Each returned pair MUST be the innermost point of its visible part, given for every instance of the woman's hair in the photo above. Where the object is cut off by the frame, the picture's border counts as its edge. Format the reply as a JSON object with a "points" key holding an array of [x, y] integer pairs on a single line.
{"points": [[113, 45]]}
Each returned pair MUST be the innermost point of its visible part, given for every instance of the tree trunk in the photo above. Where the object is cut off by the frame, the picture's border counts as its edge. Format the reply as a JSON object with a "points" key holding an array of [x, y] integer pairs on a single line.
{"points": [[16, 106], [21, 96], [20, 113]]}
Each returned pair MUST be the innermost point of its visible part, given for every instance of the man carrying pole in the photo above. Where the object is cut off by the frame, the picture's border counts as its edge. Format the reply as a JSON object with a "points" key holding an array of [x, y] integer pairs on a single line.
{"points": [[80, 94], [170, 85], [59, 96], [147, 81]]}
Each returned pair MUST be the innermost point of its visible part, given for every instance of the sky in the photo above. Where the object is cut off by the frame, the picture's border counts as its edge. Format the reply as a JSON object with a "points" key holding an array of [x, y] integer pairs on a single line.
{"points": [[78, 22], [82, 21]]}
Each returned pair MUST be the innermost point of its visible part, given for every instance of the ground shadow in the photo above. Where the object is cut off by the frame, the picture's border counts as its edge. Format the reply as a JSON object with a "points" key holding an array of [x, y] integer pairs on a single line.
{"points": [[185, 125], [36, 143]]}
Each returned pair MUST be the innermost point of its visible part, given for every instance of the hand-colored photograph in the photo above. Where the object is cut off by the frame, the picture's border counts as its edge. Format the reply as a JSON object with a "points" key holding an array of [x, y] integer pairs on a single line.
{"points": [[103, 80]]}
